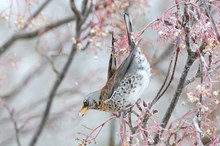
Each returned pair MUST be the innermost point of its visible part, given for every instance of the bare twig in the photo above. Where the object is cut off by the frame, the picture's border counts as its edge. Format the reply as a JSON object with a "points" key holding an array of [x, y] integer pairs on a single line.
{"points": [[84, 5], [94, 132], [17, 130], [163, 89], [198, 74], [75, 10]]}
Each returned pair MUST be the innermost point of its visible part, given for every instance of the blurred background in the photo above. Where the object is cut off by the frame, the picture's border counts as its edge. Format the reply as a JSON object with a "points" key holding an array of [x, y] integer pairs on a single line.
{"points": [[29, 68]]}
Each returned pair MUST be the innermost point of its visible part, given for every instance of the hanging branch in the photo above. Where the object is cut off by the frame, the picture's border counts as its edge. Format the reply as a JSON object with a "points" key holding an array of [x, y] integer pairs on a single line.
{"points": [[163, 89]]}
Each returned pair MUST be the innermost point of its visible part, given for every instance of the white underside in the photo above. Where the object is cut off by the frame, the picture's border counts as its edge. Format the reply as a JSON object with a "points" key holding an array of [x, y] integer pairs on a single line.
{"points": [[134, 96]]}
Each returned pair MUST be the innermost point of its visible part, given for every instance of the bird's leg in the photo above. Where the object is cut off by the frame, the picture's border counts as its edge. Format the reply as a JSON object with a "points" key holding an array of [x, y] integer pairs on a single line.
{"points": [[135, 113], [125, 113], [145, 104], [128, 110], [117, 114], [138, 104]]}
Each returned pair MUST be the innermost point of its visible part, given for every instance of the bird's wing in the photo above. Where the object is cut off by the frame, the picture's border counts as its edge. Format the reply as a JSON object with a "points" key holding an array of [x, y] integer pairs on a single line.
{"points": [[112, 61], [123, 68]]}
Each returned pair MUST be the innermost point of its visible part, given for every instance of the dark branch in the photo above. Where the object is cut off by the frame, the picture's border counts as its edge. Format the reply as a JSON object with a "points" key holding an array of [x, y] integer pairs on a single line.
{"points": [[32, 34], [164, 88], [60, 76], [75, 10], [178, 91], [51, 96]]}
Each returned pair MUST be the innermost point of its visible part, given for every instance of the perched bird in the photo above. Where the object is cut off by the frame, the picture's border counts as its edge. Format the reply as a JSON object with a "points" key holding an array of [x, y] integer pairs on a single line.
{"points": [[126, 83]]}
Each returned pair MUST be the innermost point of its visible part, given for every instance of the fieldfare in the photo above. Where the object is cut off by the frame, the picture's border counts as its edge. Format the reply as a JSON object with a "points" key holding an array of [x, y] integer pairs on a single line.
{"points": [[126, 83]]}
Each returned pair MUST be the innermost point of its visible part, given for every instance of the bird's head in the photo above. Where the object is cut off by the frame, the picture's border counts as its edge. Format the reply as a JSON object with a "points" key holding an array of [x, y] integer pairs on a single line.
{"points": [[90, 102]]}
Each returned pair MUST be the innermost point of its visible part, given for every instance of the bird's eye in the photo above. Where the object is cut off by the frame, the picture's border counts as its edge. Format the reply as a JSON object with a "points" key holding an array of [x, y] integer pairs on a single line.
{"points": [[86, 103]]}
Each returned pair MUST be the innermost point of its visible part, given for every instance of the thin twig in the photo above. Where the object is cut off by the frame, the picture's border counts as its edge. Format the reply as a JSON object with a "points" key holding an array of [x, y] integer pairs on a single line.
{"points": [[75, 10], [17, 130], [198, 74], [36, 13], [163, 89], [97, 130], [84, 5]]}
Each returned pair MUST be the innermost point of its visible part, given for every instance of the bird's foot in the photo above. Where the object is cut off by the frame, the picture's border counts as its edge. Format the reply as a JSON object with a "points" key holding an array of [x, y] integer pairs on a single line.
{"points": [[117, 114]]}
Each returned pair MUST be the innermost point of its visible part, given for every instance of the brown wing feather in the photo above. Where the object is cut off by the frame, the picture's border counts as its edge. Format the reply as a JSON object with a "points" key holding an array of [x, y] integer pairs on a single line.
{"points": [[114, 81], [112, 61]]}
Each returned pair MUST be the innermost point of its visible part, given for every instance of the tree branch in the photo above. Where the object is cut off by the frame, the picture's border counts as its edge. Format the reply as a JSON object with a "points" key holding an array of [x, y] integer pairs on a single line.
{"points": [[190, 59], [56, 85], [32, 34], [178, 91], [59, 79]]}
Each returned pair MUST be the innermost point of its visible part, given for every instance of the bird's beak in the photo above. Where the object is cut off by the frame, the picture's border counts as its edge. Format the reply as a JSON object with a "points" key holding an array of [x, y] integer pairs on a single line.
{"points": [[83, 111]]}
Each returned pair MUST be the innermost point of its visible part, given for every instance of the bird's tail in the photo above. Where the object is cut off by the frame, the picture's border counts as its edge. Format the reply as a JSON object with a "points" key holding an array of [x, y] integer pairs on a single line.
{"points": [[128, 24]]}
